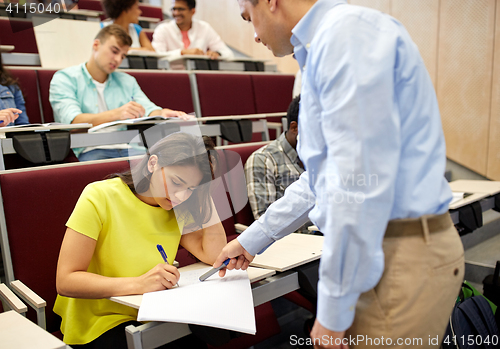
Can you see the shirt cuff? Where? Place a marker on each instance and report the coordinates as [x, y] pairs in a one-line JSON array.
[[254, 240], [152, 109], [336, 314]]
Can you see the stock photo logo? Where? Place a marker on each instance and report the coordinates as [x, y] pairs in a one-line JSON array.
[[20, 12]]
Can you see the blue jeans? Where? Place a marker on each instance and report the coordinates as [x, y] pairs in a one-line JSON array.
[[100, 154]]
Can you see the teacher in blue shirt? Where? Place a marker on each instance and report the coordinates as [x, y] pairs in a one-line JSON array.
[[373, 147]]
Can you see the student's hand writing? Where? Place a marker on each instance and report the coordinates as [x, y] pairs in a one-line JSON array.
[[335, 339], [162, 276], [175, 113], [131, 110], [192, 51], [240, 258], [213, 55], [9, 115]]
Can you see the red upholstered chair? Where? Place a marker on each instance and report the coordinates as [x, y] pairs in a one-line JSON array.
[[44, 78], [147, 10], [94, 5], [151, 11], [28, 83], [225, 94], [36, 205], [273, 94], [18, 32], [166, 89], [243, 151]]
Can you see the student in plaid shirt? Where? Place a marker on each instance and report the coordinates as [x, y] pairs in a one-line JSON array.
[[272, 168]]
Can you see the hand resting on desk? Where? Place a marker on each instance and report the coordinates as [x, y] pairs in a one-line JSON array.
[[240, 258], [8, 116]]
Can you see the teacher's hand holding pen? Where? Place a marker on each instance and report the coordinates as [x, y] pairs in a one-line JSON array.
[[8, 115], [131, 110], [240, 258]]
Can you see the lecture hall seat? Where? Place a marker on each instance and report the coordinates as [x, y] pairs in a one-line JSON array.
[[44, 78], [47, 195], [28, 83], [147, 10], [18, 32], [273, 94], [225, 94], [165, 89]]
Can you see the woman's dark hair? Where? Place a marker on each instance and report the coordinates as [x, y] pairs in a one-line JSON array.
[[179, 149], [114, 8], [5, 78]]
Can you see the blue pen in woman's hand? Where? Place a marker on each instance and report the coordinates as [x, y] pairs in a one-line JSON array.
[[163, 255]]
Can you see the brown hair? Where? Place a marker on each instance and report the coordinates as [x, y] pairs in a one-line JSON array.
[[179, 149], [114, 8], [118, 32]]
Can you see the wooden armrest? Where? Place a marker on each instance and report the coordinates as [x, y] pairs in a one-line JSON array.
[[240, 227], [28, 295], [14, 302]]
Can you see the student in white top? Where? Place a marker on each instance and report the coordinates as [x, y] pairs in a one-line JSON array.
[[126, 14], [187, 36]]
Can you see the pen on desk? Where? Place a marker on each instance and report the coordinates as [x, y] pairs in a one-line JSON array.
[[163, 255], [214, 270]]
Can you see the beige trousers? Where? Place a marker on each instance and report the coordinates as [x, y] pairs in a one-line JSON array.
[[411, 304]]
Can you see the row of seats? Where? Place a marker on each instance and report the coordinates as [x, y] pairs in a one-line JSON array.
[[19, 32], [50, 198], [147, 10], [215, 94]]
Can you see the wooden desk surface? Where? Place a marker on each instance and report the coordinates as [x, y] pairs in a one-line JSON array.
[[290, 252], [18, 332], [468, 200], [472, 186], [254, 274]]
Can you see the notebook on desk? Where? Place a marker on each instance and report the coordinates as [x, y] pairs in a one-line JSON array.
[[130, 122], [42, 127]]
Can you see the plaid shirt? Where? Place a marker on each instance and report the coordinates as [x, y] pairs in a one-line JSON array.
[[269, 171]]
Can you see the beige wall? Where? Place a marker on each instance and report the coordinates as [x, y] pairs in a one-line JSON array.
[[456, 39]]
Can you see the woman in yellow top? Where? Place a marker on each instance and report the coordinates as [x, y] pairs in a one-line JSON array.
[[109, 248]]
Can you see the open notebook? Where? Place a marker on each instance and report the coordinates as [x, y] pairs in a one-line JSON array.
[[129, 122], [216, 302]]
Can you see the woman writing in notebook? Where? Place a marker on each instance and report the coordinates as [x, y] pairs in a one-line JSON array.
[[109, 248]]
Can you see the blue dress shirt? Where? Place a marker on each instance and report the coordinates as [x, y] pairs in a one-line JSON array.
[[12, 97], [372, 143]]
